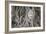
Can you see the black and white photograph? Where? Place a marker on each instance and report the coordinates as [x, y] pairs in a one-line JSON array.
[[25, 17]]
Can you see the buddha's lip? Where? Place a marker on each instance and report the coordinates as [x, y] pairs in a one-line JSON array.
[[30, 15]]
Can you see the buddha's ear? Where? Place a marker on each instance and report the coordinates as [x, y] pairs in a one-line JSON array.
[[33, 9]]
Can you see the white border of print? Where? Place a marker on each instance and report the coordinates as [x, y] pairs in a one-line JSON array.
[[27, 28]]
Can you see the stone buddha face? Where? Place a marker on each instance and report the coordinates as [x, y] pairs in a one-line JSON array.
[[31, 14]]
